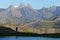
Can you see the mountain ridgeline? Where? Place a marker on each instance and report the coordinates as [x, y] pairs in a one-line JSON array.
[[27, 16]]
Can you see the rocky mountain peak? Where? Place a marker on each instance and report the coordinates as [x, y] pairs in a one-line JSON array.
[[12, 7], [53, 8], [29, 6], [21, 5]]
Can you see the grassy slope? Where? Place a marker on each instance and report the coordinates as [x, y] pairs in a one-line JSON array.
[[25, 33]]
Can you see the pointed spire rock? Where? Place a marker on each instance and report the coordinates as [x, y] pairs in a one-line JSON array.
[[29, 6], [53, 8], [12, 7], [21, 5]]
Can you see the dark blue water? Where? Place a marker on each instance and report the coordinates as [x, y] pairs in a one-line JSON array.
[[27, 38]]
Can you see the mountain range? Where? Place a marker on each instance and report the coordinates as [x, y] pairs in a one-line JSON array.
[[28, 16]]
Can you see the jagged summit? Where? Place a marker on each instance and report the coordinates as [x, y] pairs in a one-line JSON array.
[[29, 6], [13, 6], [22, 14], [52, 8], [21, 5]]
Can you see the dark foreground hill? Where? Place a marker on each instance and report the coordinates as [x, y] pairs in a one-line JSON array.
[[4, 31]]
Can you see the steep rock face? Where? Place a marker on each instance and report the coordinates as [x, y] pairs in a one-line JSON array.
[[21, 5], [22, 15], [13, 13], [57, 11], [46, 13], [52, 9], [50, 13]]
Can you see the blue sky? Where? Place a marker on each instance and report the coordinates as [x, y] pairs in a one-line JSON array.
[[37, 4]]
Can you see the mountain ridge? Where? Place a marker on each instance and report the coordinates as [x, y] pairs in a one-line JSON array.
[[22, 14]]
